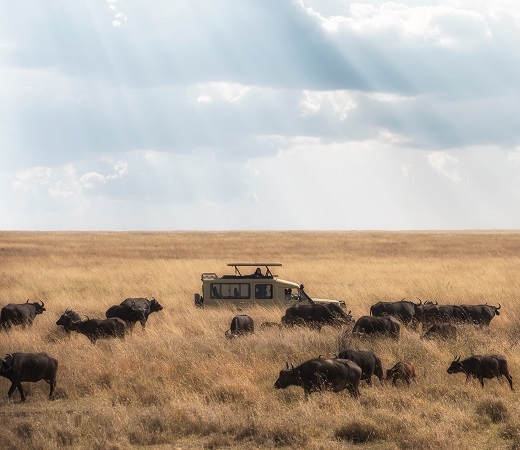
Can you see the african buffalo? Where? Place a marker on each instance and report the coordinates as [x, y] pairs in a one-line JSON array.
[[369, 362], [32, 367], [441, 330], [316, 315], [404, 371], [66, 318], [480, 314], [94, 329], [20, 314], [369, 325], [241, 324], [148, 306], [444, 313], [482, 366], [129, 314], [320, 374], [403, 310]]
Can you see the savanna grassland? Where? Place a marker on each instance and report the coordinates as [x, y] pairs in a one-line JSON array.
[[181, 384]]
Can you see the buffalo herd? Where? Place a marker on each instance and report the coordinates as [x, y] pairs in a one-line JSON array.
[[343, 371], [346, 369], [32, 367]]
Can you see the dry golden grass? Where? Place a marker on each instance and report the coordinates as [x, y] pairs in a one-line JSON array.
[[182, 384]]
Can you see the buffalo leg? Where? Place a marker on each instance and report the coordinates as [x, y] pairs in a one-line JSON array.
[[22, 393], [51, 393], [353, 389], [11, 389], [482, 382], [510, 379]]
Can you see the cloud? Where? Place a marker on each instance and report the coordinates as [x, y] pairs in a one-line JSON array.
[[445, 164], [63, 181]]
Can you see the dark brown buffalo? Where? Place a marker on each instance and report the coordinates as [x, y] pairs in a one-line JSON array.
[[405, 311], [316, 315], [94, 329], [320, 374], [369, 362], [404, 371], [482, 366], [66, 318], [20, 314], [147, 306], [129, 314], [368, 325], [32, 367], [240, 324], [441, 330], [481, 314], [435, 313]]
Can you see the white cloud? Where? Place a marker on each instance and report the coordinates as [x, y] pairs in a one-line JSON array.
[[64, 181], [229, 92], [339, 102], [514, 156], [440, 24], [445, 164]]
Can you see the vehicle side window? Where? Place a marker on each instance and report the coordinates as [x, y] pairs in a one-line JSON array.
[[230, 290], [263, 291]]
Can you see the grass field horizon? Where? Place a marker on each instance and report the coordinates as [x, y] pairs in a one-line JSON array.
[[181, 384]]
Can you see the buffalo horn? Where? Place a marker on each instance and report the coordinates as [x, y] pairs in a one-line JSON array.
[[43, 304], [420, 301], [286, 365], [27, 301], [499, 306]]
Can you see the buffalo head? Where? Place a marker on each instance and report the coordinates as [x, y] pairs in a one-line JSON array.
[[286, 378], [38, 307], [155, 306], [456, 366], [6, 363], [68, 318]]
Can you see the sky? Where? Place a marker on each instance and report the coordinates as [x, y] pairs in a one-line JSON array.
[[259, 115]]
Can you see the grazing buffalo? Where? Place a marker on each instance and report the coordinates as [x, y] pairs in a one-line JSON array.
[[66, 318], [368, 325], [369, 362], [94, 329], [435, 313], [403, 310], [129, 314], [240, 325], [404, 371], [322, 374], [20, 314], [441, 330], [18, 367], [148, 306], [482, 366], [316, 315], [480, 314]]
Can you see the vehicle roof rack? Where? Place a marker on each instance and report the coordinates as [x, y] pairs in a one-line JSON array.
[[245, 264]]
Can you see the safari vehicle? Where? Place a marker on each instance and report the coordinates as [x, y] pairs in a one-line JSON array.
[[256, 288]]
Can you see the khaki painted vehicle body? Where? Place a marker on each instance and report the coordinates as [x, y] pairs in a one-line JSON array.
[[261, 287]]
